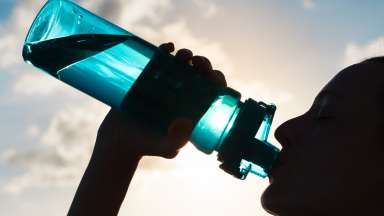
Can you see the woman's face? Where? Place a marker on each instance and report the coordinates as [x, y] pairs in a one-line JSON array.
[[332, 161]]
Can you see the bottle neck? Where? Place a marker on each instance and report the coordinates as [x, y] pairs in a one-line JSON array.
[[215, 125]]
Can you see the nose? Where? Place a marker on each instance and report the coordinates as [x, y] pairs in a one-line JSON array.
[[287, 132]]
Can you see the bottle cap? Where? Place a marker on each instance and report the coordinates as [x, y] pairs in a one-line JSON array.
[[247, 141]]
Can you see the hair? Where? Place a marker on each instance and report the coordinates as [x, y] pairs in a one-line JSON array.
[[378, 59]]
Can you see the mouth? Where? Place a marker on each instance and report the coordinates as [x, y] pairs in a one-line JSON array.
[[272, 173], [281, 161], [270, 179]]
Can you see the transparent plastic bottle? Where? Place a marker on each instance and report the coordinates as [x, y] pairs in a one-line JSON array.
[[128, 73]]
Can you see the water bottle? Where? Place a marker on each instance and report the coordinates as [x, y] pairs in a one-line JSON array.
[[130, 74]]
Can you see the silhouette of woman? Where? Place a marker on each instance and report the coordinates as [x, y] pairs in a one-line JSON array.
[[331, 162]]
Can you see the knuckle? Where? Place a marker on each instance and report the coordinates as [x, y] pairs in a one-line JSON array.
[[220, 77], [199, 59], [170, 155], [184, 51]]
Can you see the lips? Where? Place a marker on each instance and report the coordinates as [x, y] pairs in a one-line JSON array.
[[281, 161], [271, 179], [272, 172]]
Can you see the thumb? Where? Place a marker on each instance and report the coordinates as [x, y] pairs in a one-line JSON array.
[[179, 132]]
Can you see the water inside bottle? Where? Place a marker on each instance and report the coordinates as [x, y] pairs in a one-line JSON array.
[[103, 66]]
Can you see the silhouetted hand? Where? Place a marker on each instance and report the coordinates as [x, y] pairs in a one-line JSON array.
[[120, 144], [126, 136]]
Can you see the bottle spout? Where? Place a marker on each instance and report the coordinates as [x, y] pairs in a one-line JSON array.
[[246, 148], [262, 154]]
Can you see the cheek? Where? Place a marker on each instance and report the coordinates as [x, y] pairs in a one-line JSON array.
[[323, 169], [339, 149], [335, 161]]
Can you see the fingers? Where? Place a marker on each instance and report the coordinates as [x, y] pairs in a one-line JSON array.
[[179, 132], [185, 55], [201, 63], [178, 135], [167, 47], [218, 77]]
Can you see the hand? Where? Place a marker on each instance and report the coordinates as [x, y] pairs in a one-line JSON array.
[[122, 141], [123, 135]]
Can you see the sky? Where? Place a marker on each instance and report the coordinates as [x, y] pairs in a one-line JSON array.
[[279, 52]]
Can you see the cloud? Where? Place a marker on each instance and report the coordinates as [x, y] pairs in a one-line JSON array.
[[72, 131], [42, 168], [207, 8], [13, 32], [9, 54], [64, 149], [308, 4], [38, 83], [355, 53], [260, 92], [183, 37], [135, 11], [129, 12], [33, 131]]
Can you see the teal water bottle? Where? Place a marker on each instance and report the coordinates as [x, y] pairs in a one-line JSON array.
[[128, 73]]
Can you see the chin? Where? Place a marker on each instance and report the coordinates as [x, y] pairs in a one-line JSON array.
[[269, 201], [278, 201]]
